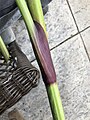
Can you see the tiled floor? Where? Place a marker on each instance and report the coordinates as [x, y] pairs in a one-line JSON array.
[[68, 28], [81, 12]]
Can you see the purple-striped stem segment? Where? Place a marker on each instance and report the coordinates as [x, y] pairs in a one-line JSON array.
[[41, 48], [52, 89], [39, 43]]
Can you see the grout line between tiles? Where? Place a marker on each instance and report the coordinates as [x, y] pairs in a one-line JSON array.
[[70, 37], [72, 15], [78, 29], [85, 47]]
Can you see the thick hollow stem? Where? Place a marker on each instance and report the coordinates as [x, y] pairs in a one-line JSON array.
[[55, 102]]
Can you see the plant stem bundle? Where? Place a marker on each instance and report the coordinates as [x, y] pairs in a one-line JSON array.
[[33, 17]]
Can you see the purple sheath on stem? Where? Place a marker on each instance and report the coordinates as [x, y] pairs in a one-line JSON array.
[[43, 56]]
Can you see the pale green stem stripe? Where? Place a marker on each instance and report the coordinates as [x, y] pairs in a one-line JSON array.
[[28, 20], [36, 12], [4, 50], [55, 102]]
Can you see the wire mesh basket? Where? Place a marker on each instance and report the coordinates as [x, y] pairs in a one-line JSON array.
[[17, 77]]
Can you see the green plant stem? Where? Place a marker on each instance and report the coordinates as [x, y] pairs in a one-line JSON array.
[[36, 12], [52, 90], [55, 102], [4, 50]]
